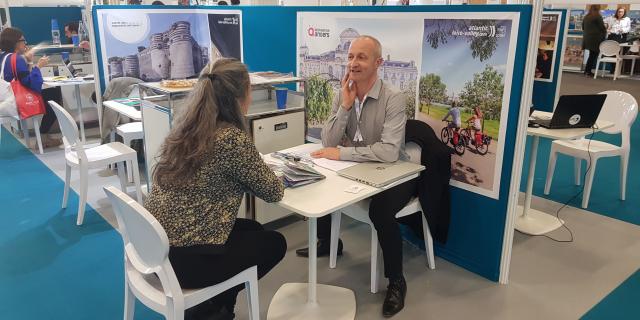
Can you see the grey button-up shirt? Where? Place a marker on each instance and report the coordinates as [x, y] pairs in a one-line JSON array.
[[382, 125]]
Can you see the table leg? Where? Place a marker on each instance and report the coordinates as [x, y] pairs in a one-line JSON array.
[[79, 104], [531, 221], [313, 260]]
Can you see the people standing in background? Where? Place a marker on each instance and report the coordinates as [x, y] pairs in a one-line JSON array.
[[70, 30], [235, 2], [594, 32], [619, 26]]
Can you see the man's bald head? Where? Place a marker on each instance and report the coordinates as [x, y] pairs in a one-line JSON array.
[[371, 41]]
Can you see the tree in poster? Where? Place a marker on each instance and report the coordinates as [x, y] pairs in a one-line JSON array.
[[481, 47], [485, 91], [410, 94], [432, 89], [319, 98]]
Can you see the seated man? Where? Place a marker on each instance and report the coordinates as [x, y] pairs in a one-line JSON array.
[[368, 124]]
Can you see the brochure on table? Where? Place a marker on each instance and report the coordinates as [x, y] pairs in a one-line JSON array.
[[462, 60]]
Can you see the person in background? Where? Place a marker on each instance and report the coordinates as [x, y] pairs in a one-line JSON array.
[[157, 3], [235, 2], [543, 64], [619, 26], [476, 122], [222, 3], [70, 30], [594, 32], [12, 41], [207, 162], [367, 124]]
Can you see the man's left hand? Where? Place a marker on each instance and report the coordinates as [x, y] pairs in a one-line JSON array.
[[327, 153]]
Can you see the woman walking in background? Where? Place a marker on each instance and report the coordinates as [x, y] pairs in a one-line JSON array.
[[594, 32]]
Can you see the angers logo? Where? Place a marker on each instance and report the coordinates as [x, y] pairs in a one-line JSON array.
[[317, 32]]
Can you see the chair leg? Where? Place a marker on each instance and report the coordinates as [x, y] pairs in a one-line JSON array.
[[129, 302], [376, 261], [112, 138], [252, 296], [633, 66], [25, 132], [595, 74], [587, 183], [577, 168], [616, 70], [624, 165], [122, 175], [428, 242], [551, 168], [67, 182], [127, 142], [336, 218], [36, 129], [84, 176], [136, 179]]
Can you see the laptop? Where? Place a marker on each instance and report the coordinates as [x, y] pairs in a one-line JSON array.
[[574, 111], [73, 71], [378, 174]]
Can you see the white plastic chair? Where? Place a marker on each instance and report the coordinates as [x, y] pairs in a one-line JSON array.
[[620, 108], [609, 53], [129, 132], [149, 275], [35, 120], [97, 157], [635, 48], [360, 211]]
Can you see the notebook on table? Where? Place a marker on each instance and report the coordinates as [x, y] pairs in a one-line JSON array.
[[378, 174]]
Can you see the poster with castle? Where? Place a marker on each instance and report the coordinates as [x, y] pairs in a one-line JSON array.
[[160, 44], [323, 42]]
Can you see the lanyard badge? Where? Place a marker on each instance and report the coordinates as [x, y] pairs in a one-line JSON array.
[[358, 136]]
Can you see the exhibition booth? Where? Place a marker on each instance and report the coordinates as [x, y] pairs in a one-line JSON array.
[[503, 59]]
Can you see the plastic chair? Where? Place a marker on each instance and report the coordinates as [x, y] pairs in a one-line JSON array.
[[360, 211], [620, 108], [149, 276], [635, 48], [129, 132], [97, 157], [35, 120], [609, 53]]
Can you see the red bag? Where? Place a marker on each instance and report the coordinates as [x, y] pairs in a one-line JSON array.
[[29, 102]]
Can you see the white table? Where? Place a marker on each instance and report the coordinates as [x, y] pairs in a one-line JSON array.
[[77, 83], [310, 301], [535, 222], [123, 109]]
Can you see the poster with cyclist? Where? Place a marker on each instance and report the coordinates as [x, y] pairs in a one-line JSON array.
[[464, 89]]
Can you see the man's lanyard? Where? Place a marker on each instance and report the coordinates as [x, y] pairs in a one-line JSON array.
[[358, 136]]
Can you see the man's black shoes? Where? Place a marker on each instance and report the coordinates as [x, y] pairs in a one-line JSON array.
[[394, 301], [323, 249]]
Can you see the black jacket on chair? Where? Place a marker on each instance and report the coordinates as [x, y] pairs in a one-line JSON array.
[[433, 183]]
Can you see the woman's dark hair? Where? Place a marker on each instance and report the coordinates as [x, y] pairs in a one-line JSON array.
[[594, 9], [9, 38], [213, 103], [157, 3], [72, 26], [235, 2], [222, 3]]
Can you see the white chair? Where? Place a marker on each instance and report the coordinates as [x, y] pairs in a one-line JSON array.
[[149, 275], [635, 49], [4, 120], [609, 53], [129, 132], [97, 157], [620, 108], [360, 211], [35, 120]]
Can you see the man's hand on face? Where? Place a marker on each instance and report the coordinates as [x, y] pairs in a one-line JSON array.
[[348, 91], [327, 153]]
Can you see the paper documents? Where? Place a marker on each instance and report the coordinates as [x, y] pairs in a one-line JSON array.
[[304, 152]]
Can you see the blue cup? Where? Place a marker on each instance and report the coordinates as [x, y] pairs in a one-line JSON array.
[[65, 57], [281, 97], [76, 40]]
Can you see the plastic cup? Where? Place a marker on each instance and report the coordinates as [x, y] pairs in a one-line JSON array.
[[281, 97], [65, 57], [76, 40]]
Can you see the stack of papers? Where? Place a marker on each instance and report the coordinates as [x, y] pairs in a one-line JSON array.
[[296, 174]]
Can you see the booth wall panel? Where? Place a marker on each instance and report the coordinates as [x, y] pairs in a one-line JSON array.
[[35, 22]]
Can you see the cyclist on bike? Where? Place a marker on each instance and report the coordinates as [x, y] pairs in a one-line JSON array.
[[456, 121], [476, 123]]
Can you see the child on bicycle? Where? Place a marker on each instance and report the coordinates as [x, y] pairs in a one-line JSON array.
[[476, 124]]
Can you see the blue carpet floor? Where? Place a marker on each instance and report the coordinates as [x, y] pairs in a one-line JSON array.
[[605, 192], [49, 267], [622, 303]]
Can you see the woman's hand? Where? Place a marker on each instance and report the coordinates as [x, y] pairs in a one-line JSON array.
[[43, 61]]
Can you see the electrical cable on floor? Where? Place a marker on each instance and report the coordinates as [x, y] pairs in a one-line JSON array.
[[584, 176]]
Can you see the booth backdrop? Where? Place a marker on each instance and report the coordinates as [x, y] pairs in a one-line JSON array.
[[477, 222], [35, 22]]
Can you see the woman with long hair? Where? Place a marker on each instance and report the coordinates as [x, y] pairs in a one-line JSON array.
[[594, 32], [206, 164], [619, 26]]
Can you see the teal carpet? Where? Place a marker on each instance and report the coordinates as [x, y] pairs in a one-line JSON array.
[[605, 191], [620, 304], [49, 267]]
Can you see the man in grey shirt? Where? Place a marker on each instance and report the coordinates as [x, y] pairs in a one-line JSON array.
[[368, 124]]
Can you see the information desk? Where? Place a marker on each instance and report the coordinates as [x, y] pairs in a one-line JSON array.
[[535, 222], [307, 301]]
